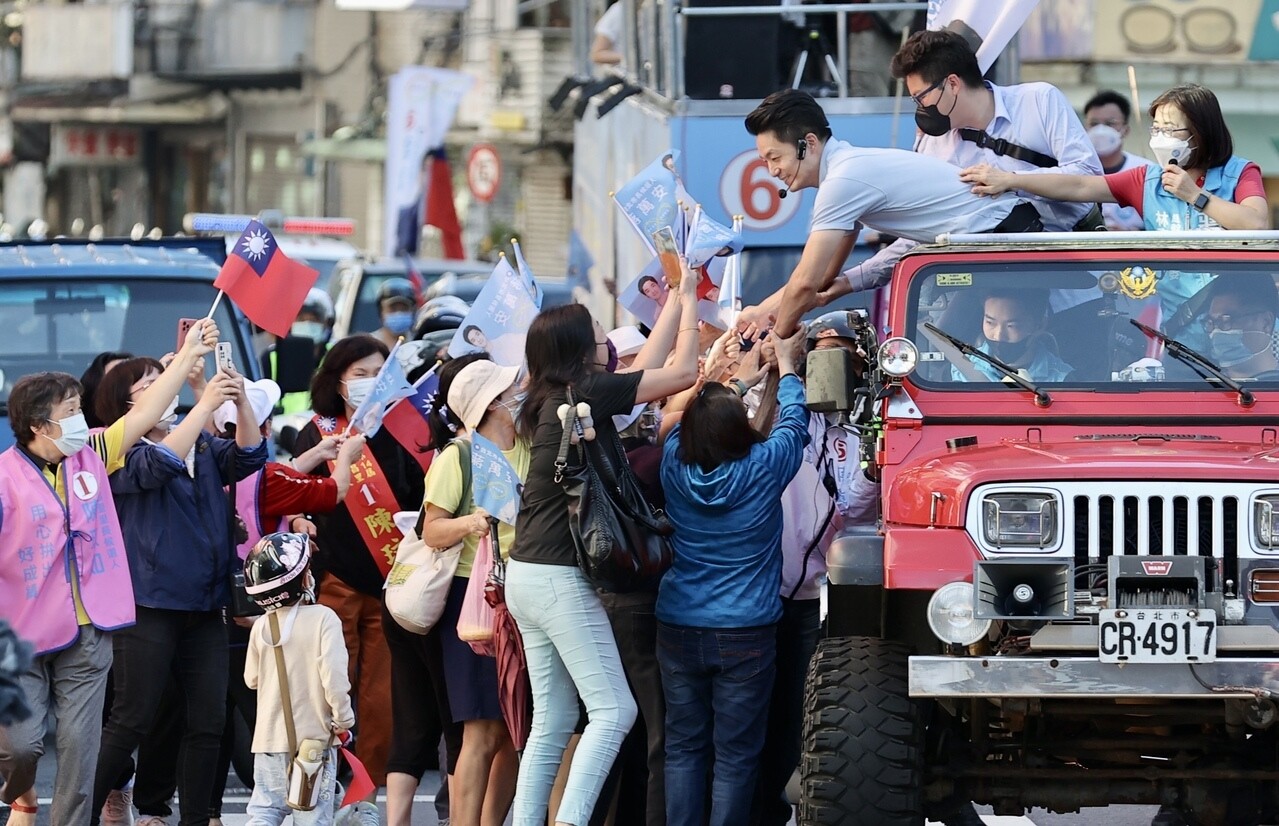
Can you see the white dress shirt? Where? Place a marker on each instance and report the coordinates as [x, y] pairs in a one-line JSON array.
[[1034, 115]]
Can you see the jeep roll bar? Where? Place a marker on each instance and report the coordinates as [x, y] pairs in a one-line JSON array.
[[1153, 239]]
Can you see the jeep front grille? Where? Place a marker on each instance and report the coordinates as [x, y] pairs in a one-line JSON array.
[[1135, 525]]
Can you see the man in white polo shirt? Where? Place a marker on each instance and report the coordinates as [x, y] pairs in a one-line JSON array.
[[889, 190]]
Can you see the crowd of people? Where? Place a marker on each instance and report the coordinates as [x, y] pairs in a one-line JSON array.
[[128, 535]]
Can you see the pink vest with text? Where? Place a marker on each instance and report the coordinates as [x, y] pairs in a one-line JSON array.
[[35, 570]]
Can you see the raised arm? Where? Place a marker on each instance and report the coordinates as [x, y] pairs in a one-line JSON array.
[[660, 341], [987, 180], [824, 255], [681, 372], [153, 402]]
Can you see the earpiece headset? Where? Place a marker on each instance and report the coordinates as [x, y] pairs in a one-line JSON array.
[[801, 149]]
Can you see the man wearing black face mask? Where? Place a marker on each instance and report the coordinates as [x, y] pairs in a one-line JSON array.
[[965, 120], [1012, 329]]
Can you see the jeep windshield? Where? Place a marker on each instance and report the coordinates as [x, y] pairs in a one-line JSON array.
[[1069, 324], [63, 325]]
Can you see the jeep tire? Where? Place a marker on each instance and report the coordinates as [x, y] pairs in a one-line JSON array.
[[863, 759]]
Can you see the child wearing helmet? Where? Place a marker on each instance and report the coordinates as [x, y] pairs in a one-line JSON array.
[[277, 576]]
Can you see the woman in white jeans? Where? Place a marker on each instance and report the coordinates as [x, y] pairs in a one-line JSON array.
[[568, 642]]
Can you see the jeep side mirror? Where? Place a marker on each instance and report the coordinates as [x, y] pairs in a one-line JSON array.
[[294, 364], [830, 381]]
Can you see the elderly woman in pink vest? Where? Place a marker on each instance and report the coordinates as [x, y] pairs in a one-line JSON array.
[[64, 576]]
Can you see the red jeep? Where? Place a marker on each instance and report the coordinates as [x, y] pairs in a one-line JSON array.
[[1072, 597]]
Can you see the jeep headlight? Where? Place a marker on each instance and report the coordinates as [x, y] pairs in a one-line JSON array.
[[952, 615], [898, 357], [1021, 520], [1265, 521]]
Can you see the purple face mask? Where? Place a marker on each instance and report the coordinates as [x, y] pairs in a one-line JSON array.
[[611, 367]]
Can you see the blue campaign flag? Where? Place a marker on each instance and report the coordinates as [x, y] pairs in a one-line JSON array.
[[496, 487], [527, 273], [499, 319], [580, 262], [391, 384], [708, 238], [649, 200]]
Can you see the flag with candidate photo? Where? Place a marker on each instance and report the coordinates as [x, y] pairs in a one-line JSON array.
[[496, 487], [499, 319], [580, 262], [391, 385], [527, 273], [707, 238], [650, 200]]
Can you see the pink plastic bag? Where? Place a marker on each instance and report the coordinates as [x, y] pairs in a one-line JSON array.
[[475, 622]]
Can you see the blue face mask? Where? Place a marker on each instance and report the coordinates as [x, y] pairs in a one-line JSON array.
[[1229, 347], [398, 323]]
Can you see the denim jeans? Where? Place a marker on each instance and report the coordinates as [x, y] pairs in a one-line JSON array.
[[571, 652], [268, 805], [797, 635], [717, 682]]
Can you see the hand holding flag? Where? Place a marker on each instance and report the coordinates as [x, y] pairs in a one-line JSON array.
[[265, 283], [391, 384]]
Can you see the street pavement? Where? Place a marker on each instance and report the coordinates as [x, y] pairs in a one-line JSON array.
[[424, 810]]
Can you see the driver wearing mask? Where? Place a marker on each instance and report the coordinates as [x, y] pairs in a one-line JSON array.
[[1014, 330], [1241, 327], [396, 301]]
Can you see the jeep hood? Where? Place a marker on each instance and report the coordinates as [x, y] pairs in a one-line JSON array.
[[954, 474]]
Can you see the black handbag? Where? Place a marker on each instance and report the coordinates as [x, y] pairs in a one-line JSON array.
[[622, 543]]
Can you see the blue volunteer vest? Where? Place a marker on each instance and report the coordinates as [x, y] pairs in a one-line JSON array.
[[1166, 213]]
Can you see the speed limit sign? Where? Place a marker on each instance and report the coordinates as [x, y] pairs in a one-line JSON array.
[[746, 189], [484, 172]]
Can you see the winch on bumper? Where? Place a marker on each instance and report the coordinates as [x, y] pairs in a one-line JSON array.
[[1164, 629]]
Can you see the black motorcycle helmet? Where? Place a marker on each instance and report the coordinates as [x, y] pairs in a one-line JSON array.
[[443, 313], [275, 571], [396, 288]]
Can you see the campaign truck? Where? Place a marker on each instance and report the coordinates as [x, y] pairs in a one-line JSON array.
[[1071, 595]]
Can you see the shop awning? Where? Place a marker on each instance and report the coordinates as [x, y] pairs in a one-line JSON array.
[[206, 108]]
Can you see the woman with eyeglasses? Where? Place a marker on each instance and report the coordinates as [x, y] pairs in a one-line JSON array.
[[719, 604], [1199, 182]]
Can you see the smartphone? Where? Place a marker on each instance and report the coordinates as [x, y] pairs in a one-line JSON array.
[[225, 361], [668, 255], [184, 327]]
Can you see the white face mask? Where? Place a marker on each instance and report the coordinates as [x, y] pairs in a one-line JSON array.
[[357, 390], [170, 415], [75, 434], [313, 330], [1105, 139], [1168, 149]]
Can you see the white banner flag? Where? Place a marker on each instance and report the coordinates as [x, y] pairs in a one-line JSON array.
[[989, 25], [421, 103]]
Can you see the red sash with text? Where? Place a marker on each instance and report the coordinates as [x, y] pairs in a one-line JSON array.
[[370, 500]]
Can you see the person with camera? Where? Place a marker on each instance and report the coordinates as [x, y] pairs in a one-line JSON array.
[[176, 525]]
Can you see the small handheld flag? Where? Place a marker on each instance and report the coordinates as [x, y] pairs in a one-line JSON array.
[[265, 283], [391, 384], [497, 488], [527, 273]]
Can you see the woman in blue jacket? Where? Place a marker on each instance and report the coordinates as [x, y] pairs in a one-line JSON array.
[[719, 603], [173, 508]]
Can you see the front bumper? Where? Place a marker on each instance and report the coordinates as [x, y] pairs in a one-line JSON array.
[[1086, 677]]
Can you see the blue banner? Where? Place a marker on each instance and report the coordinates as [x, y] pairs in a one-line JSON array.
[[649, 200], [708, 238], [499, 319], [534, 290], [496, 486]]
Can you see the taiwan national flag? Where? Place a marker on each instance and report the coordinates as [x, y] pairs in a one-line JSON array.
[[264, 282], [406, 420]]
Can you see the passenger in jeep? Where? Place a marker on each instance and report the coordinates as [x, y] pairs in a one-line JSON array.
[[1014, 331], [1241, 326]]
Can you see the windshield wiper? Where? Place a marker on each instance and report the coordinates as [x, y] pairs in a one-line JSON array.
[[1041, 396], [1197, 362]]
